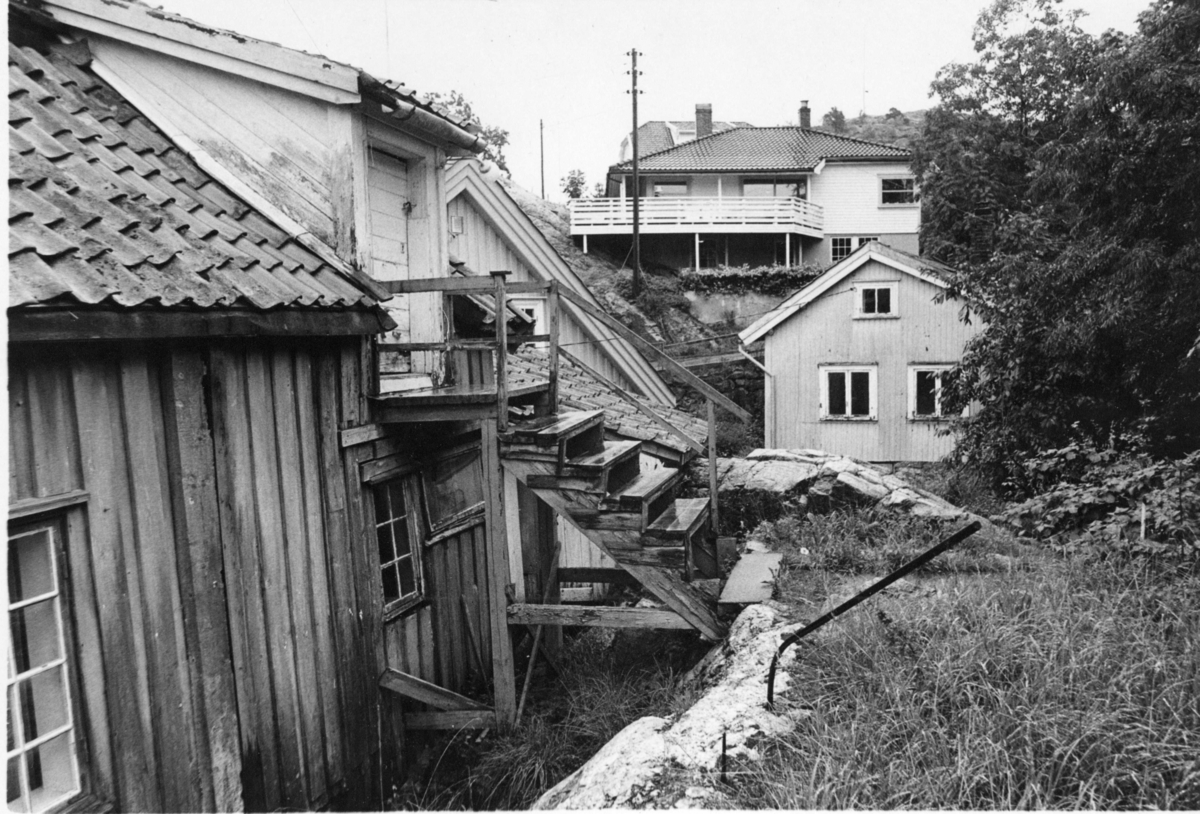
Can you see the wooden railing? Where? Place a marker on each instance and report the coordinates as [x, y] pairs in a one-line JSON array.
[[615, 215], [500, 289]]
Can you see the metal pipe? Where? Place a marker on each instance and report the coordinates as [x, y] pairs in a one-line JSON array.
[[862, 596]]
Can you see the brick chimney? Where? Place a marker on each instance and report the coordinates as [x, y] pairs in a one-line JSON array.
[[805, 114], [703, 120]]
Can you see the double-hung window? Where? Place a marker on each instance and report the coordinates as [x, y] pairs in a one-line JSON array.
[[43, 768], [848, 392], [925, 391]]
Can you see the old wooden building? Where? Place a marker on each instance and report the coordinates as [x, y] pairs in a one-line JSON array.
[[242, 571], [855, 359]]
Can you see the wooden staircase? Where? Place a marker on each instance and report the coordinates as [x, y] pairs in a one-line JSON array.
[[623, 505]]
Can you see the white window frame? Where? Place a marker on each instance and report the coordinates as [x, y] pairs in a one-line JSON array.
[[916, 193], [53, 525], [833, 248], [862, 241], [535, 308], [876, 285], [938, 368], [654, 185], [406, 479], [823, 372]]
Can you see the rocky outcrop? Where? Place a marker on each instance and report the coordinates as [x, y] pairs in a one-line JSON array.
[[622, 773], [768, 482]]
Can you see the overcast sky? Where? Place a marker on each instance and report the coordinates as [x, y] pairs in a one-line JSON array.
[[565, 62]]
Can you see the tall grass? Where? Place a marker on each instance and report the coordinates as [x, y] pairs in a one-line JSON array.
[[606, 685], [1076, 686]]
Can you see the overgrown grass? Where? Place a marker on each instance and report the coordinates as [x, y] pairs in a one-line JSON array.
[[608, 682], [1072, 686]]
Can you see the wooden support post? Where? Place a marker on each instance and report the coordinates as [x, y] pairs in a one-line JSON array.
[[787, 248], [552, 316], [697, 251], [547, 590], [501, 351], [585, 244], [712, 467], [496, 532]]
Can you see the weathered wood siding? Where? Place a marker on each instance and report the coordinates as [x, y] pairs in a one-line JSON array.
[[224, 603], [825, 332]]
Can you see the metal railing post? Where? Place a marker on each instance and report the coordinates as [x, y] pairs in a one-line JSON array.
[[501, 351]]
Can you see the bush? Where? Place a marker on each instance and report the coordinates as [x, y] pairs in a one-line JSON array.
[[776, 281], [1104, 498]]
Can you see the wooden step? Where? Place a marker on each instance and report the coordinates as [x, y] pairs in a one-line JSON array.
[[643, 490], [614, 452], [548, 431], [680, 521]]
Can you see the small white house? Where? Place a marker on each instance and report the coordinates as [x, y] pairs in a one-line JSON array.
[[855, 359]]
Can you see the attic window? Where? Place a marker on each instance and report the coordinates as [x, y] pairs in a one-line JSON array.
[[876, 301], [898, 191]]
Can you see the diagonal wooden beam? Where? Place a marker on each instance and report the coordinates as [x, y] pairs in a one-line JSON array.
[[418, 689]]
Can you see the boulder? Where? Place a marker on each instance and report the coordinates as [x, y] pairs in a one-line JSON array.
[[734, 708]]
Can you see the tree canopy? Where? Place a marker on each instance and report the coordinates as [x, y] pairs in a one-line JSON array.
[[455, 105], [573, 184], [1060, 173]]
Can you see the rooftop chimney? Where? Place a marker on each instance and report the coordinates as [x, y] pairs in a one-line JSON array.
[[805, 114], [703, 120]]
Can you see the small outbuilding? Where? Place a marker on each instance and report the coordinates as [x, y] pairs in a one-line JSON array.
[[855, 360]]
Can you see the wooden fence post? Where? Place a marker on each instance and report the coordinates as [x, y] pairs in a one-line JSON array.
[[501, 351]]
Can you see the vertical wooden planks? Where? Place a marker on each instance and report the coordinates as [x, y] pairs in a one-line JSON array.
[[321, 586], [105, 470], [192, 472], [239, 533], [54, 443], [347, 641], [504, 678], [298, 600], [483, 583], [22, 479], [443, 632], [275, 586]]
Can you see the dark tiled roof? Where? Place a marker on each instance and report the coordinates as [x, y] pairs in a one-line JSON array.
[[103, 209], [764, 149], [656, 136], [579, 390]]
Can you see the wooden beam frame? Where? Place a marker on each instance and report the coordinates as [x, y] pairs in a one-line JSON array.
[[25, 325], [600, 616], [459, 285], [409, 686]]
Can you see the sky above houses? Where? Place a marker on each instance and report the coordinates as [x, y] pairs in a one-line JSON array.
[[564, 62]]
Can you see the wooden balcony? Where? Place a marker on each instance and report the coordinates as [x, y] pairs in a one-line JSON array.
[[675, 215]]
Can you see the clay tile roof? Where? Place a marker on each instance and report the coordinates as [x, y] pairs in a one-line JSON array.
[[751, 149], [578, 390], [104, 209]]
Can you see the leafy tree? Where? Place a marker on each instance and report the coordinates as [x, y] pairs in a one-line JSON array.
[[598, 190], [455, 106], [1059, 173], [573, 184], [834, 120], [894, 114]]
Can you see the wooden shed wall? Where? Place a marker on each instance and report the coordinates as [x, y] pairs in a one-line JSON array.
[[825, 332], [224, 612]]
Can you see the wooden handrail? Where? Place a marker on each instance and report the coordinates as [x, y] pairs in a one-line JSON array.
[[689, 378], [642, 408]]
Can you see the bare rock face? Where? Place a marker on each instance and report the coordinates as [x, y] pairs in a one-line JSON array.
[[734, 707]]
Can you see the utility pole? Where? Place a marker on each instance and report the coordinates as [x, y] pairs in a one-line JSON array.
[[542, 142], [637, 193]]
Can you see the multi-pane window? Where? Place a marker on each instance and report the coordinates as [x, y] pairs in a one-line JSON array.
[[862, 241], [840, 248], [848, 392], [925, 391], [898, 191], [876, 300], [399, 553], [42, 766]]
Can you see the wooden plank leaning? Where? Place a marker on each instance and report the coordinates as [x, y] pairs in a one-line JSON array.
[[547, 589], [657, 355]]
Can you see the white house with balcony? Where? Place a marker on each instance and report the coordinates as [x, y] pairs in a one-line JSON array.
[[756, 196]]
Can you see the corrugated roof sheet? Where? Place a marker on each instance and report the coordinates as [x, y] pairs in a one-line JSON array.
[[579, 390], [763, 149], [104, 209]]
